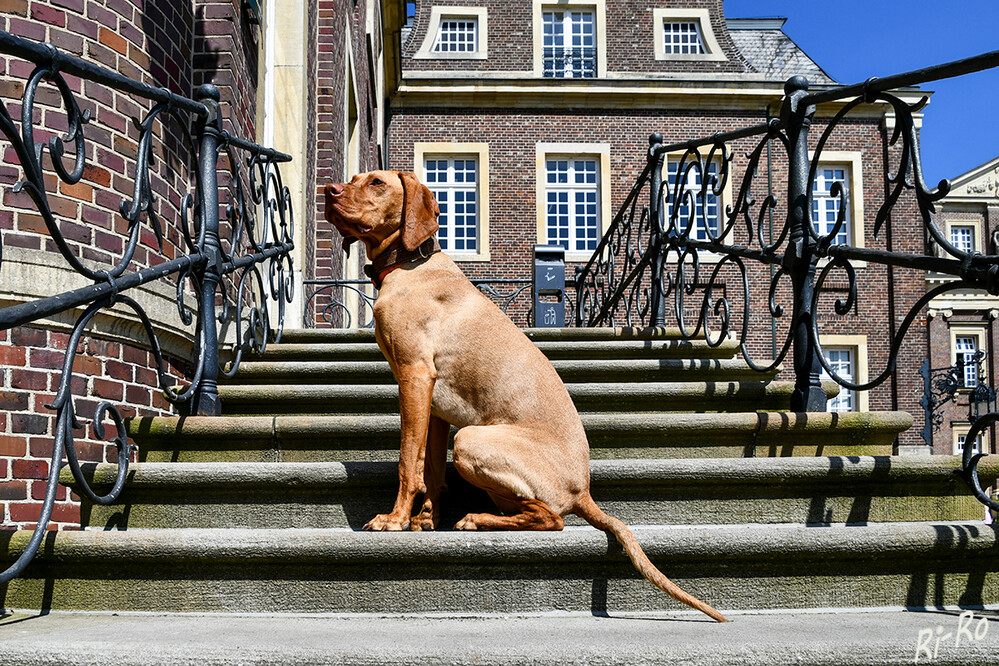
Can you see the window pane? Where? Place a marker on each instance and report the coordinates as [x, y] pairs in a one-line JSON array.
[[963, 238], [457, 36], [965, 348], [826, 207], [454, 183], [842, 361], [683, 37], [568, 44]]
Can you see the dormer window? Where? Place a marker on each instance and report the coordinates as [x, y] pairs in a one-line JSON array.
[[569, 44], [682, 37], [457, 35], [684, 34]]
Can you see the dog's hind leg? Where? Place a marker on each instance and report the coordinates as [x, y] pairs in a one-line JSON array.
[[433, 476], [509, 463]]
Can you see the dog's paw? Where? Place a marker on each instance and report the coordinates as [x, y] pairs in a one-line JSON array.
[[467, 523], [426, 519], [385, 522]]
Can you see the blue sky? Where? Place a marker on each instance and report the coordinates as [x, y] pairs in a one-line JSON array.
[[853, 40]]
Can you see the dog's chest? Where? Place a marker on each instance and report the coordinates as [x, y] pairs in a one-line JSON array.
[[452, 405]]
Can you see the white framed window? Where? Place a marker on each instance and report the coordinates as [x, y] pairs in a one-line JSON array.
[[572, 202], [843, 362], [965, 349], [706, 214], [573, 196], [962, 236], [454, 182], [457, 35], [684, 33], [682, 38], [458, 176], [569, 43], [826, 207]]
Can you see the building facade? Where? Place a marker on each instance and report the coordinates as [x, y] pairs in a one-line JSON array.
[[531, 120], [961, 332]]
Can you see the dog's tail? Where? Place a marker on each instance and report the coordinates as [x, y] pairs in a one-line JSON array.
[[588, 510]]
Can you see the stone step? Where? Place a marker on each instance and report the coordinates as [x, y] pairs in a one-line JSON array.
[[732, 567], [602, 370], [694, 397], [372, 437], [869, 637], [553, 349], [645, 492]]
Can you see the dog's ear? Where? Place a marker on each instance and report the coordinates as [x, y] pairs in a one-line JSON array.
[[419, 216]]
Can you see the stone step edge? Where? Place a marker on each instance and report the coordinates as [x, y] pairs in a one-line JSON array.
[[557, 349], [691, 543], [567, 333], [687, 390], [732, 472], [273, 427], [736, 367]]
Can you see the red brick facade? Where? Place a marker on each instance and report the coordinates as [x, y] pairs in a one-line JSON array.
[[174, 45]]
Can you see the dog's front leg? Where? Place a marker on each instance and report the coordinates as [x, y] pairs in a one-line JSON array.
[[416, 390]]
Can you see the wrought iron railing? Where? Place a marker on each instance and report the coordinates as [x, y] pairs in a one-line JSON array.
[[651, 264], [220, 264], [349, 303], [569, 62]]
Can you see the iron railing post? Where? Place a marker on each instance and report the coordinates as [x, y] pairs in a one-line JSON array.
[[656, 158], [799, 260], [205, 401]]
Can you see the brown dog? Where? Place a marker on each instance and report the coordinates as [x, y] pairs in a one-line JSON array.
[[459, 360]]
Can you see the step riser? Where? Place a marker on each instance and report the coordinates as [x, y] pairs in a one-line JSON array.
[[630, 371], [367, 438], [711, 503], [541, 577]]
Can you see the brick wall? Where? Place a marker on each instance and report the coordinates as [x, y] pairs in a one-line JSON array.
[[176, 45], [336, 20]]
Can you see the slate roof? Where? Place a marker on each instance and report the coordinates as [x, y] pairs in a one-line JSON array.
[[771, 52]]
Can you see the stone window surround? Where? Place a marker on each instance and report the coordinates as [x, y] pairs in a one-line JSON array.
[[962, 428], [859, 345], [976, 225], [976, 330], [600, 151], [480, 151], [437, 14], [663, 15]]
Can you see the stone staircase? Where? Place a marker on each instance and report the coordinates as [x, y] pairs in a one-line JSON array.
[[753, 509]]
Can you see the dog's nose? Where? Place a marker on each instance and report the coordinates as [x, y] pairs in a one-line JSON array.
[[334, 189]]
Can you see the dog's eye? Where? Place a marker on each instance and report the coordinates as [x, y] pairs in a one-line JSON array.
[[377, 181]]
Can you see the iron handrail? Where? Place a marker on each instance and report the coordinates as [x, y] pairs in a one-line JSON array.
[[650, 254], [212, 260]]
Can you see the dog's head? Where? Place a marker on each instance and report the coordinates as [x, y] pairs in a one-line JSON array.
[[380, 207]]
